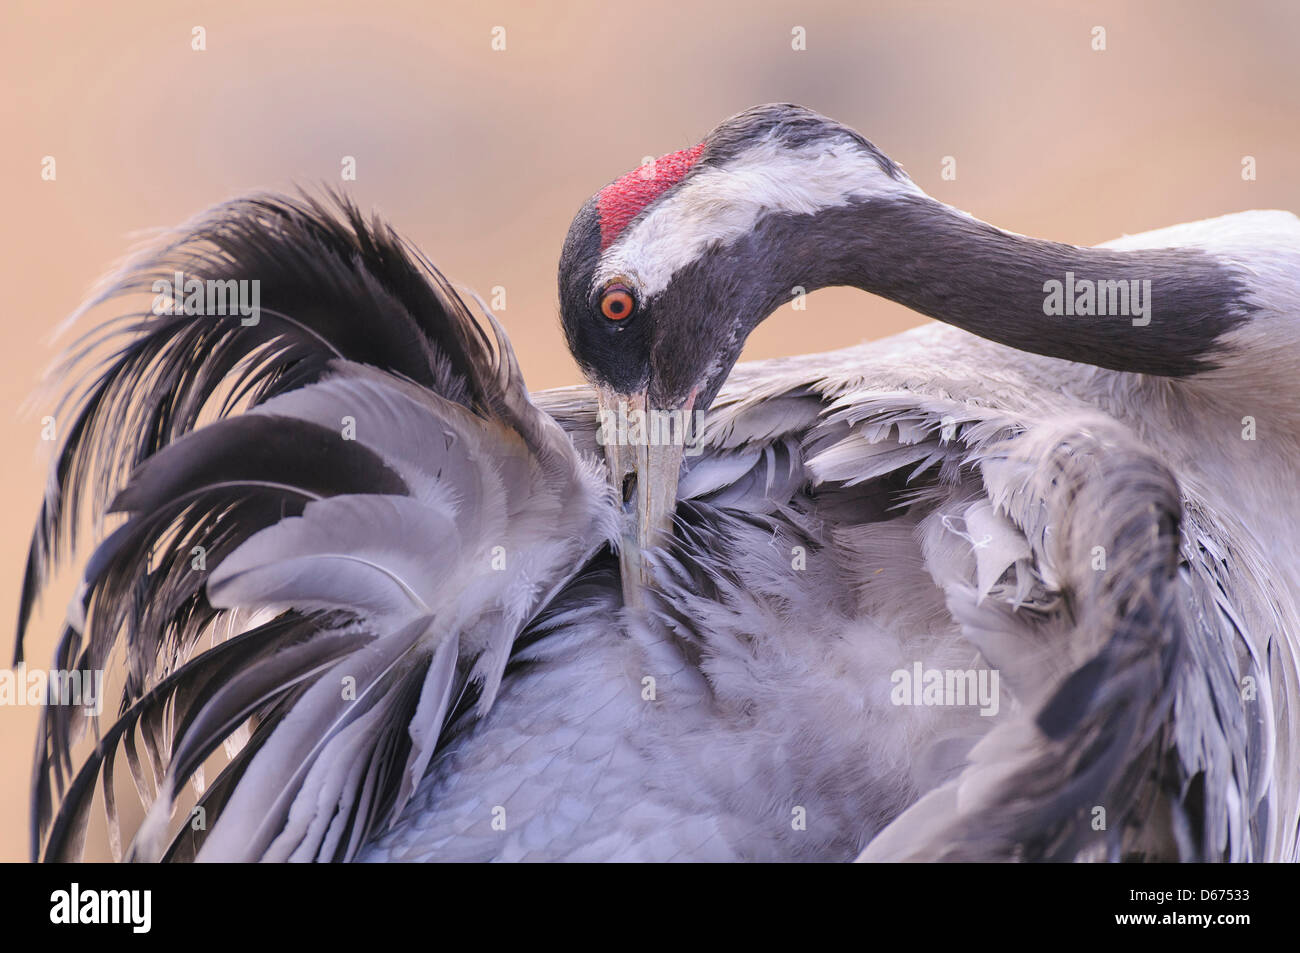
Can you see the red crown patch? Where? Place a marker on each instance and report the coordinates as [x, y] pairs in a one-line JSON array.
[[621, 201]]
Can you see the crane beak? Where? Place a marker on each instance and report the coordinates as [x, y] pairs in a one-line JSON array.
[[644, 469]]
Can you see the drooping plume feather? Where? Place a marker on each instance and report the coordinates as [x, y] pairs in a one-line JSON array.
[[350, 549], [364, 464]]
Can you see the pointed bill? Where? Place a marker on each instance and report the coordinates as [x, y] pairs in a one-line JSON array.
[[644, 472]]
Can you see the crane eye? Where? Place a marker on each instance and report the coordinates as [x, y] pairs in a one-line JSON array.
[[617, 303]]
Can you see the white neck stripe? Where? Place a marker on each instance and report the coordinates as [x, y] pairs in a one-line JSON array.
[[718, 205]]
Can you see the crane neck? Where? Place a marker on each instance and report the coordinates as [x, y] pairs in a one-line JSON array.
[[1153, 311]]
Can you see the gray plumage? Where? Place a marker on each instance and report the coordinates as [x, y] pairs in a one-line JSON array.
[[934, 498]]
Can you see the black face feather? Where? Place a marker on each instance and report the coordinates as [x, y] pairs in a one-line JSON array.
[[615, 353]]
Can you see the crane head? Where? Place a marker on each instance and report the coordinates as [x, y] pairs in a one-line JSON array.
[[667, 270]]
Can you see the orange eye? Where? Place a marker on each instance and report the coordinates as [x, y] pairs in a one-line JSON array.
[[617, 303]]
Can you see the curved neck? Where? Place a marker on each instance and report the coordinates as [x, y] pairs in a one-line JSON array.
[[1156, 311]]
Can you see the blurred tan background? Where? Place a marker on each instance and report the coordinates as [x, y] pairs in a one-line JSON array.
[[482, 157]]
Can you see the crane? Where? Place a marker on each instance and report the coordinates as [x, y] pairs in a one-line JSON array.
[[1012, 585]]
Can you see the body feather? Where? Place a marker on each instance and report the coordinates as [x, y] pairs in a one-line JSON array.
[[410, 629]]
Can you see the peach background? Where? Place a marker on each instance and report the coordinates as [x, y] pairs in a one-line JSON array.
[[482, 157]]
